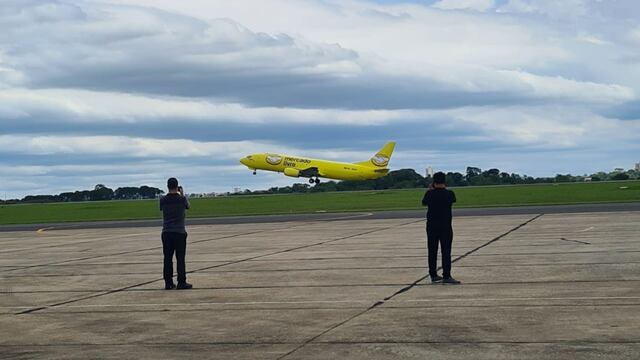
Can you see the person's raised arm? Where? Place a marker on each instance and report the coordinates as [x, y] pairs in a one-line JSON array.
[[186, 201]]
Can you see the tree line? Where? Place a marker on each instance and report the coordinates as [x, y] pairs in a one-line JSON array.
[[399, 179], [99, 193], [409, 178]]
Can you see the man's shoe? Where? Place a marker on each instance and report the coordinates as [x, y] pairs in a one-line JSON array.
[[451, 281], [184, 286], [169, 286], [436, 279]]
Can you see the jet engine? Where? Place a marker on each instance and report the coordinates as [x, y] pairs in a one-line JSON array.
[[292, 172]]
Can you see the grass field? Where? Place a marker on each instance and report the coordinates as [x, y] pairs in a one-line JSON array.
[[622, 191]]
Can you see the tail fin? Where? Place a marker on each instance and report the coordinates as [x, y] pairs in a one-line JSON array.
[[381, 158]]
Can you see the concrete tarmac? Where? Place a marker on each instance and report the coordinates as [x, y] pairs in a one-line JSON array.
[[535, 286]]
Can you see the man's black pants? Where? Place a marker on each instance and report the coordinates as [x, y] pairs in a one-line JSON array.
[[443, 236], [174, 242]]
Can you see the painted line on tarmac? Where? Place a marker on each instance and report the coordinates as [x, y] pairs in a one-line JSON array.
[[587, 229], [348, 217], [320, 343]]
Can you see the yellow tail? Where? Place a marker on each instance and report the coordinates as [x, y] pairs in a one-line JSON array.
[[381, 158]]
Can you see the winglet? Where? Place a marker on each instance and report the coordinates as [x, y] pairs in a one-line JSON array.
[[381, 158]]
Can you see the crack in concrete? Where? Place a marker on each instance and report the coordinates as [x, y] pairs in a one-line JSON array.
[[575, 241]]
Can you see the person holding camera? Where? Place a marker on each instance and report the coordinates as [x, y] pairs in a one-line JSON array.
[[174, 234], [439, 201]]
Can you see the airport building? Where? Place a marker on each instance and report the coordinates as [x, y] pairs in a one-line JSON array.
[[429, 172], [638, 166]]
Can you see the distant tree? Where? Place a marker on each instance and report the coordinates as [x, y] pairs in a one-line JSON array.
[[563, 178], [143, 192], [472, 172], [40, 199], [101, 192], [505, 178], [147, 192], [620, 176], [455, 179]]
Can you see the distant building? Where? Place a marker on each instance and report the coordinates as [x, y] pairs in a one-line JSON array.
[[618, 170], [638, 166], [588, 178], [429, 172]]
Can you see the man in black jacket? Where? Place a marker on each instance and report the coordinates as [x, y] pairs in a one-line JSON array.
[[439, 229], [174, 234]]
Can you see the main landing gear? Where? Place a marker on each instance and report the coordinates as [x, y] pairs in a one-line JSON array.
[[314, 181], [254, 172]]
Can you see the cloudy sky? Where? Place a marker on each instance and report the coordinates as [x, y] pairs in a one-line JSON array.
[[129, 92]]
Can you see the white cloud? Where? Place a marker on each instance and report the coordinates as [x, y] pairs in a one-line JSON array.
[[128, 147], [552, 8], [478, 5], [547, 127], [132, 148], [66, 105]]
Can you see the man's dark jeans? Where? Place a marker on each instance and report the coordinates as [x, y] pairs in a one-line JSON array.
[[174, 242], [443, 236]]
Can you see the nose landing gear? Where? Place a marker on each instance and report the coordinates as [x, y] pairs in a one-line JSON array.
[[254, 172]]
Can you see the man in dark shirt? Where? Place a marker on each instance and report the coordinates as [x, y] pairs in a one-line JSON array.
[[439, 229], [174, 235]]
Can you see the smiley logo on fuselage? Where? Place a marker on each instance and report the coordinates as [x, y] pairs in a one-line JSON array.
[[273, 159], [380, 160]]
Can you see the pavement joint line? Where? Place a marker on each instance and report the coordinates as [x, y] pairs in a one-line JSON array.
[[576, 241], [245, 343], [164, 344], [354, 301], [404, 289], [563, 253], [467, 284], [39, 308], [151, 248], [323, 269], [307, 259], [76, 243], [191, 222], [66, 262], [343, 307], [303, 246]]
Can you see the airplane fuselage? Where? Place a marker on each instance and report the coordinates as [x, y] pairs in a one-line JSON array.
[[296, 166]]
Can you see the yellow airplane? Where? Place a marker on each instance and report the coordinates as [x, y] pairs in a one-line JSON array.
[[313, 169]]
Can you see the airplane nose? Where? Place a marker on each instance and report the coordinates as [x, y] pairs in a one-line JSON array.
[[245, 161]]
